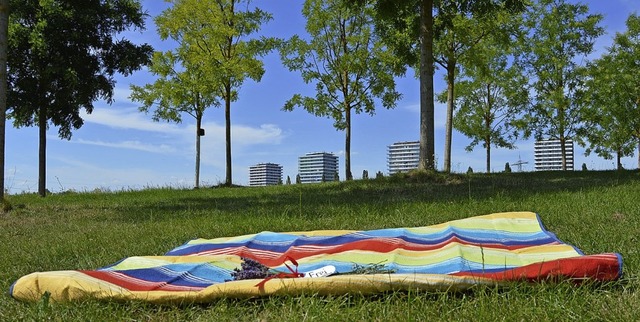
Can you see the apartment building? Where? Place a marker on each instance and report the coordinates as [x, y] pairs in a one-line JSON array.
[[403, 156], [265, 174], [317, 167], [548, 155]]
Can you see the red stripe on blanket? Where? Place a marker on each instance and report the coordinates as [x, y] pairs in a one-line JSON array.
[[134, 284], [380, 245], [602, 267]]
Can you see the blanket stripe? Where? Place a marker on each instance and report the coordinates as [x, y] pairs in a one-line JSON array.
[[457, 254]]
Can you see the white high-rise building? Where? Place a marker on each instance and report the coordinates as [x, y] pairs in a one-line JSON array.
[[403, 156], [317, 167], [548, 155], [265, 174]]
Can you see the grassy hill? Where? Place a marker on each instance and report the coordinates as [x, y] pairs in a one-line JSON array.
[[595, 211]]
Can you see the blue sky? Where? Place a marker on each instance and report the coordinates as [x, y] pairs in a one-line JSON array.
[[120, 148]]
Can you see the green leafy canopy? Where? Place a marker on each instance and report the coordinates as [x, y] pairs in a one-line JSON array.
[[63, 60]]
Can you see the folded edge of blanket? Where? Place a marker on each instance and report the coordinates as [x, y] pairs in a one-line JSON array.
[[64, 286]]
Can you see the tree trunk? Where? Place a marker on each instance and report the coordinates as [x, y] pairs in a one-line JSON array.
[[488, 148], [563, 151], [4, 33], [42, 151], [347, 144], [427, 126], [619, 160], [198, 127], [227, 120], [451, 75], [488, 118]]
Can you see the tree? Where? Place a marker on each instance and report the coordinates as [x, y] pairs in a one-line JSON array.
[[559, 35], [612, 109], [345, 60], [489, 97], [459, 33], [407, 27], [216, 35], [4, 35], [62, 61], [184, 86]]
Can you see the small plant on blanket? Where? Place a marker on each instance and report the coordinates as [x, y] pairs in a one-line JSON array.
[[377, 268]]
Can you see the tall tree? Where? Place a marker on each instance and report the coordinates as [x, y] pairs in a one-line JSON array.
[[217, 34], [408, 29], [560, 36], [349, 65], [62, 61], [489, 97], [183, 87], [612, 110], [4, 35], [458, 33]]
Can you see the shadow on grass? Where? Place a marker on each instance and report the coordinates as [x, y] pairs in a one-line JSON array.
[[316, 199]]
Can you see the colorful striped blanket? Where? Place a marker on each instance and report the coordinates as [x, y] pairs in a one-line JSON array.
[[454, 255]]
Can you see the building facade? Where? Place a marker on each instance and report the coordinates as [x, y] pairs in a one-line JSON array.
[[548, 155], [403, 156], [317, 167], [265, 174]]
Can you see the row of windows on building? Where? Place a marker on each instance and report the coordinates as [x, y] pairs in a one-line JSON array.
[[401, 157]]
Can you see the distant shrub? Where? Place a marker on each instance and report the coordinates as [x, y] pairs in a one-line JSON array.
[[470, 170], [584, 167], [365, 174], [5, 206], [507, 168]]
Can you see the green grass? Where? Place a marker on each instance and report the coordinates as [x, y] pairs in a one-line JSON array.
[[595, 211]]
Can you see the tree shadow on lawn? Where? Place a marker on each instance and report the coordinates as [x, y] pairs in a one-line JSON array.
[[316, 199]]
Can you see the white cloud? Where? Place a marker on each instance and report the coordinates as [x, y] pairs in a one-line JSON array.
[[265, 134], [130, 119], [131, 145]]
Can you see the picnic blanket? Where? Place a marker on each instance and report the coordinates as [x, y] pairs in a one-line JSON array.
[[455, 255]]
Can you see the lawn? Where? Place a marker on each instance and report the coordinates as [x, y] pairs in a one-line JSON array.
[[595, 211]]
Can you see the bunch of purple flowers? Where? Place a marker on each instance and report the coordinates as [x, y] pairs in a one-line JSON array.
[[250, 269]]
